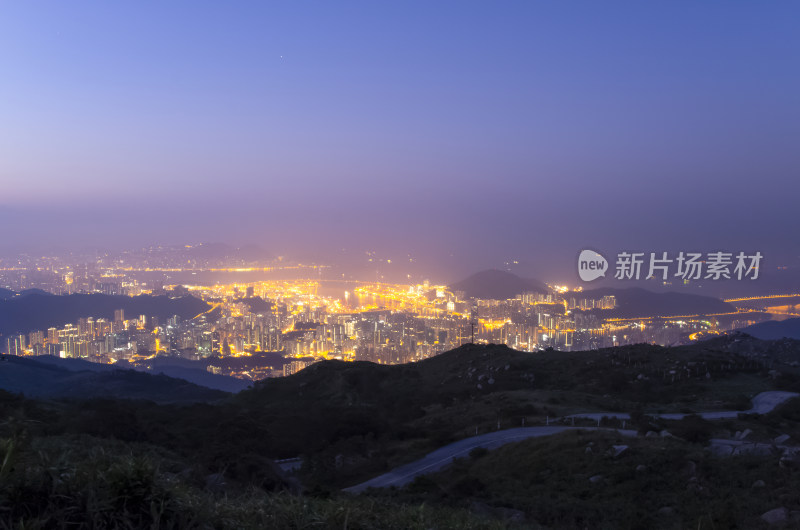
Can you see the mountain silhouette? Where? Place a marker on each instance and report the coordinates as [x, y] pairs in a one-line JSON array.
[[637, 302], [23, 314], [775, 329], [494, 284], [39, 378], [177, 368]]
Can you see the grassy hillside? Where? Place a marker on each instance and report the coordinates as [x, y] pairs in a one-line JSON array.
[[88, 482], [352, 421], [572, 480]]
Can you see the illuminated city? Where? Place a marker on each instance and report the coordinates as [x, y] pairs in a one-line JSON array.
[[312, 318]]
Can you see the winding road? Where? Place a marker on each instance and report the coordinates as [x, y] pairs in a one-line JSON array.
[[436, 460], [762, 403]]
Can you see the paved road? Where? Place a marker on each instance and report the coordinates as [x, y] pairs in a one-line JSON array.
[[762, 403], [444, 455], [436, 460]]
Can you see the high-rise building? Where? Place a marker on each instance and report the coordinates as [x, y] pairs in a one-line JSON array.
[[36, 337]]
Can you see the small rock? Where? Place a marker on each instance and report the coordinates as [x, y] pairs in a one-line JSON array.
[[510, 514], [791, 452], [480, 386], [666, 510], [776, 516], [491, 380], [215, 482], [721, 450], [753, 449], [651, 434], [783, 438], [641, 467], [595, 479], [588, 450], [507, 367], [480, 508], [617, 450], [759, 484], [744, 434]]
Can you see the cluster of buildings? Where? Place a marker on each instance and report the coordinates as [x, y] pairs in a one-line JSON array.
[[98, 340], [270, 328], [382, 323]]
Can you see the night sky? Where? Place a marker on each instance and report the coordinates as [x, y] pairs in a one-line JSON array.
[[473, 132]]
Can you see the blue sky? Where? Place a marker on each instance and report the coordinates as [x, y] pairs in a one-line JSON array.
[[422, 125]]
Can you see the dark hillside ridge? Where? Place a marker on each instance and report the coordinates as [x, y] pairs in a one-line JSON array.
[[24, 314], [637, 302], [192, 371], [37, 378], [495, 284], [773, 329]]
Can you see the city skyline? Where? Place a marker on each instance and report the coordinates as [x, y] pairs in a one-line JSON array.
[[252, 319]]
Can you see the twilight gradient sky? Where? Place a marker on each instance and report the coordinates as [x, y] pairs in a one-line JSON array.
[[486, 130]]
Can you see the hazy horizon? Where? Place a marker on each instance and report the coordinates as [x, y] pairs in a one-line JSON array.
[[467, 134]]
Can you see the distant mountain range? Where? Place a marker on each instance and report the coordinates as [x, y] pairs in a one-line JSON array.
[[224, 251], [191, 371], [8, 294], [775, 329], [51, 379], [638, 302], [494, 284], [36, 311]]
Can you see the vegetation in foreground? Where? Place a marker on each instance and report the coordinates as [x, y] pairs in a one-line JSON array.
[[85, 482], [599, 480], [124, 463]]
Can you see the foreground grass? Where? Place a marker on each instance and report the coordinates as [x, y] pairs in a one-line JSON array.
[[84, 482]]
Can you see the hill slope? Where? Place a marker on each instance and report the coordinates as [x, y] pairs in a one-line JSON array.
[[773, 329], [495, 284], [191, 371], [46, 379]]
